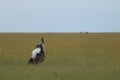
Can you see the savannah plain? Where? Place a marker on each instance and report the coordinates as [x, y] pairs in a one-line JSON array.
[[69, 56]]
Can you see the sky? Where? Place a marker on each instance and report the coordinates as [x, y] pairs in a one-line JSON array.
[[59, 15]]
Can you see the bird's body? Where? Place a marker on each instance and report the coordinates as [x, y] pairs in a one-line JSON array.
[[35, 52]]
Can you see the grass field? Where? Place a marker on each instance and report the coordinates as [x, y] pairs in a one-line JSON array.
[[78, 56]]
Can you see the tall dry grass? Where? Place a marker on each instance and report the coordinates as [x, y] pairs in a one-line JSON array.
[[72, 56]]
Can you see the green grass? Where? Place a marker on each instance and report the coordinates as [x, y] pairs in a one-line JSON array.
[[73, 56]]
